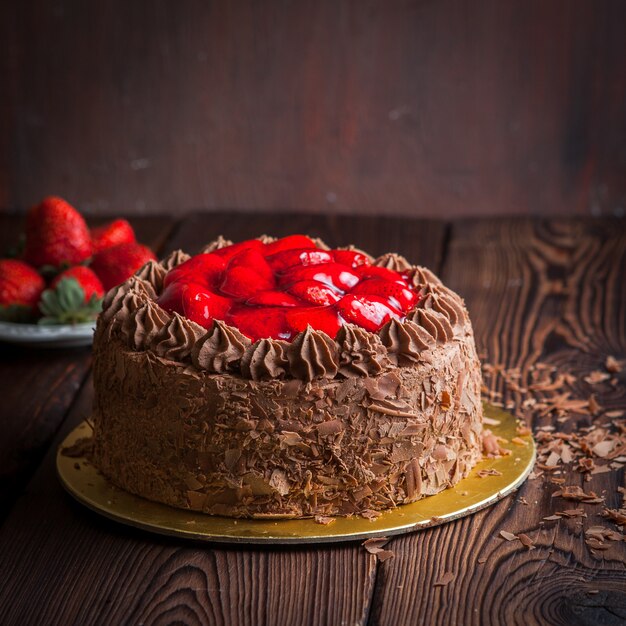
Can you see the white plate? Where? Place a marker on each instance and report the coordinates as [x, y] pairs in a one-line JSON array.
[[61, 336]]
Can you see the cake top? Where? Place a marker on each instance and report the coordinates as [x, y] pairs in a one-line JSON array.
[[268, 309], [276, 289]]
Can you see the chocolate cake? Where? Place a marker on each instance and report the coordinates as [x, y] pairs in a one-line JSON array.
[[331, 383]]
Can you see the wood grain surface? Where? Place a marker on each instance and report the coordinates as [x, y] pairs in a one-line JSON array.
[[37, 386], [538, 292], [552, 292], [445, 108]]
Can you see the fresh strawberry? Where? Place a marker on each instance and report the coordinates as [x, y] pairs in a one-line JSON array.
[[260, 322], [332, 274], [371, 271], [86, 278], [351, 258], [229, 252], [56, 235], [368, 311], [298, 257], [194, 302], [399, 296], [287, 243], [202, 269], [20, 289], [324, 318], [273, 298], [111, 234], [314, 292], [114, 265], [74, 296]]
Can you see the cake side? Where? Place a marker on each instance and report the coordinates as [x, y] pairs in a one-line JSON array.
[[229, 446]]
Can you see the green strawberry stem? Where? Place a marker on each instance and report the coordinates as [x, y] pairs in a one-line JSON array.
[[66, 304]]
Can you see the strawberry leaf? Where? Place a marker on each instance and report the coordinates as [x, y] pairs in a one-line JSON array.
[[66, 304]]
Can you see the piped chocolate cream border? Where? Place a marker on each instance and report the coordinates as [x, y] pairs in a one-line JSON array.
[[131, 314]]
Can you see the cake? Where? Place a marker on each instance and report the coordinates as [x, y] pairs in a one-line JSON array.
[[277, 378]]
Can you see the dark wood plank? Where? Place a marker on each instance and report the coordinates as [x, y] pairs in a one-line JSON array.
[[107, 573], [537, 291], [37, 387], [421, 241], [402, 106]]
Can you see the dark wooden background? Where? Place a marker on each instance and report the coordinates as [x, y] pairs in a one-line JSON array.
[[419, 108]]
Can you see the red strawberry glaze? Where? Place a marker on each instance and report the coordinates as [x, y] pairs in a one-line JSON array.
[[278, 289]]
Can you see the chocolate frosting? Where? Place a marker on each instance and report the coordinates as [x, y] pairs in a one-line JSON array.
[[393, 261], [154, 273], [361, 353], [353, 248], [219, 243], [265, 359], [444, 301], [126, 297], [405, 341], [174, 259], [221, 349], [436, 324], [142, 325], [313, 354], [421, 276], [177, 338]]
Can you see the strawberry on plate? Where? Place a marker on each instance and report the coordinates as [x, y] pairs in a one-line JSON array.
[[112, 234], [86, 278], [74, 296], [20, 289], [56, 235], [114, 265]]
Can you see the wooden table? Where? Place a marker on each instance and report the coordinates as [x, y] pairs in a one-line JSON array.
[[551, 291]]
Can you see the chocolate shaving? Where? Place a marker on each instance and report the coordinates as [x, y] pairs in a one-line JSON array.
[[375, 546], [573, 492], [505, 534], [483, 473], [612, 365]]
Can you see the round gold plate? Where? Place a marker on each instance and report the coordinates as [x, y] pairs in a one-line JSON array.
[[473, 493]]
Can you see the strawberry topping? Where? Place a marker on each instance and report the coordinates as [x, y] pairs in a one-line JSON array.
[[278, 289]]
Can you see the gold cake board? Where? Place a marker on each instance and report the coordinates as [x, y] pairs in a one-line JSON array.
[[471, 494]]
